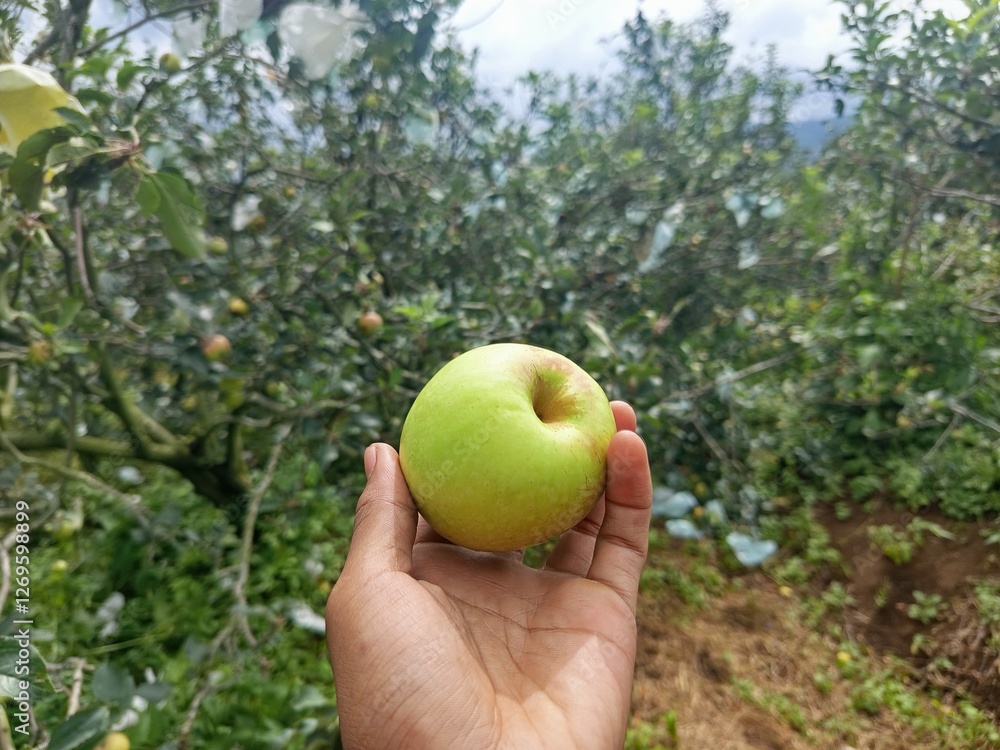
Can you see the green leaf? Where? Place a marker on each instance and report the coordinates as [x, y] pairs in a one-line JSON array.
[[180, 212], [69, 307], [310, 699], [27, 173], [12, 664], [869, 355], [81, 729], [9, 686], [128, 72], [74, 149], [113, 685], [94, 95], [154, 692], [148, 196], [73, 117]]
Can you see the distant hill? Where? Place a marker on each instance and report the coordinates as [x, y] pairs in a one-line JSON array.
[[812, 135]]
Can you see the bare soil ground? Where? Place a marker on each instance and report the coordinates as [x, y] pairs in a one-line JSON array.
[[947, 567], [744, 671]]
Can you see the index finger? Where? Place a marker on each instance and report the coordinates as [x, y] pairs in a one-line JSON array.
[[622, 542]]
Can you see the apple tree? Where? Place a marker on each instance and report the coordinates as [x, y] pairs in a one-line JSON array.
[[899, 392]]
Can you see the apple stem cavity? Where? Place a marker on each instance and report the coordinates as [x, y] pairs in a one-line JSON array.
[[550, 398]]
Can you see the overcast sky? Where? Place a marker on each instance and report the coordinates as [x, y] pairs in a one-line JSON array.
[[564, 36], [515, 36]]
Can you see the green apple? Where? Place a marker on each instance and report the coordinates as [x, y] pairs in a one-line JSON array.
[[115, 741], [369, 322], [238, 306], [218, 245], [506, 447], [216, 347], [170, 62]]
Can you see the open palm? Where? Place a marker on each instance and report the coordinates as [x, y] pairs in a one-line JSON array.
[[437, 646]]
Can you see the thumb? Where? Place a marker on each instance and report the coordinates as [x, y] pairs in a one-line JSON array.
[[385, 522]]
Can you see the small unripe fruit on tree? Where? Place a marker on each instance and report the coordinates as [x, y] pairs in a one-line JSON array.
[[59, 567], [115, 741], [39, 352], [369, 322], [64, 531], [216, 347], [170, 63], [218, 245], [238, 306]]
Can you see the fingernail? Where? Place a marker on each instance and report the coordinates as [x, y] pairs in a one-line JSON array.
[[370, 455]]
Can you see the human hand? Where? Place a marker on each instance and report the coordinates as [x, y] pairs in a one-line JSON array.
[[437, 646]]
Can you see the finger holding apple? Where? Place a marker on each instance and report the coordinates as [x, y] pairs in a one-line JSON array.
[[506, 447]]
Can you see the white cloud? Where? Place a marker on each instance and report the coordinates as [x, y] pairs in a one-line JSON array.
[[516, 36]]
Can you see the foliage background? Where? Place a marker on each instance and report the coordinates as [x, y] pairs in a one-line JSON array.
[[791, 331]]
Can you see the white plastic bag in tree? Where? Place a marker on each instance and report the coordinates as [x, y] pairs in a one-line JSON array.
[[319, 36], [245, 211], [189, 33], [238, 15], [28, 100], [749, 551], [422, 127], [670, 504], [683, 529]]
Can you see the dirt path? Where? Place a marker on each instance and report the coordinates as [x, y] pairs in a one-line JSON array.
[[744, 671]]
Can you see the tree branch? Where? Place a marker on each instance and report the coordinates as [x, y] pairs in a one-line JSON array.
[[234, 452], [942, 192], [974, 416], [906, 237], [77, 688], [5, 544], [738, 375], [50, 39], [213, 481], [129, 501], [39, 441], [183, 738], [712, 443], [253, 509], [9, 392], [82, 259], [920, 97], [140, 425], [142, 22], [993, 200], [955, 422]]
